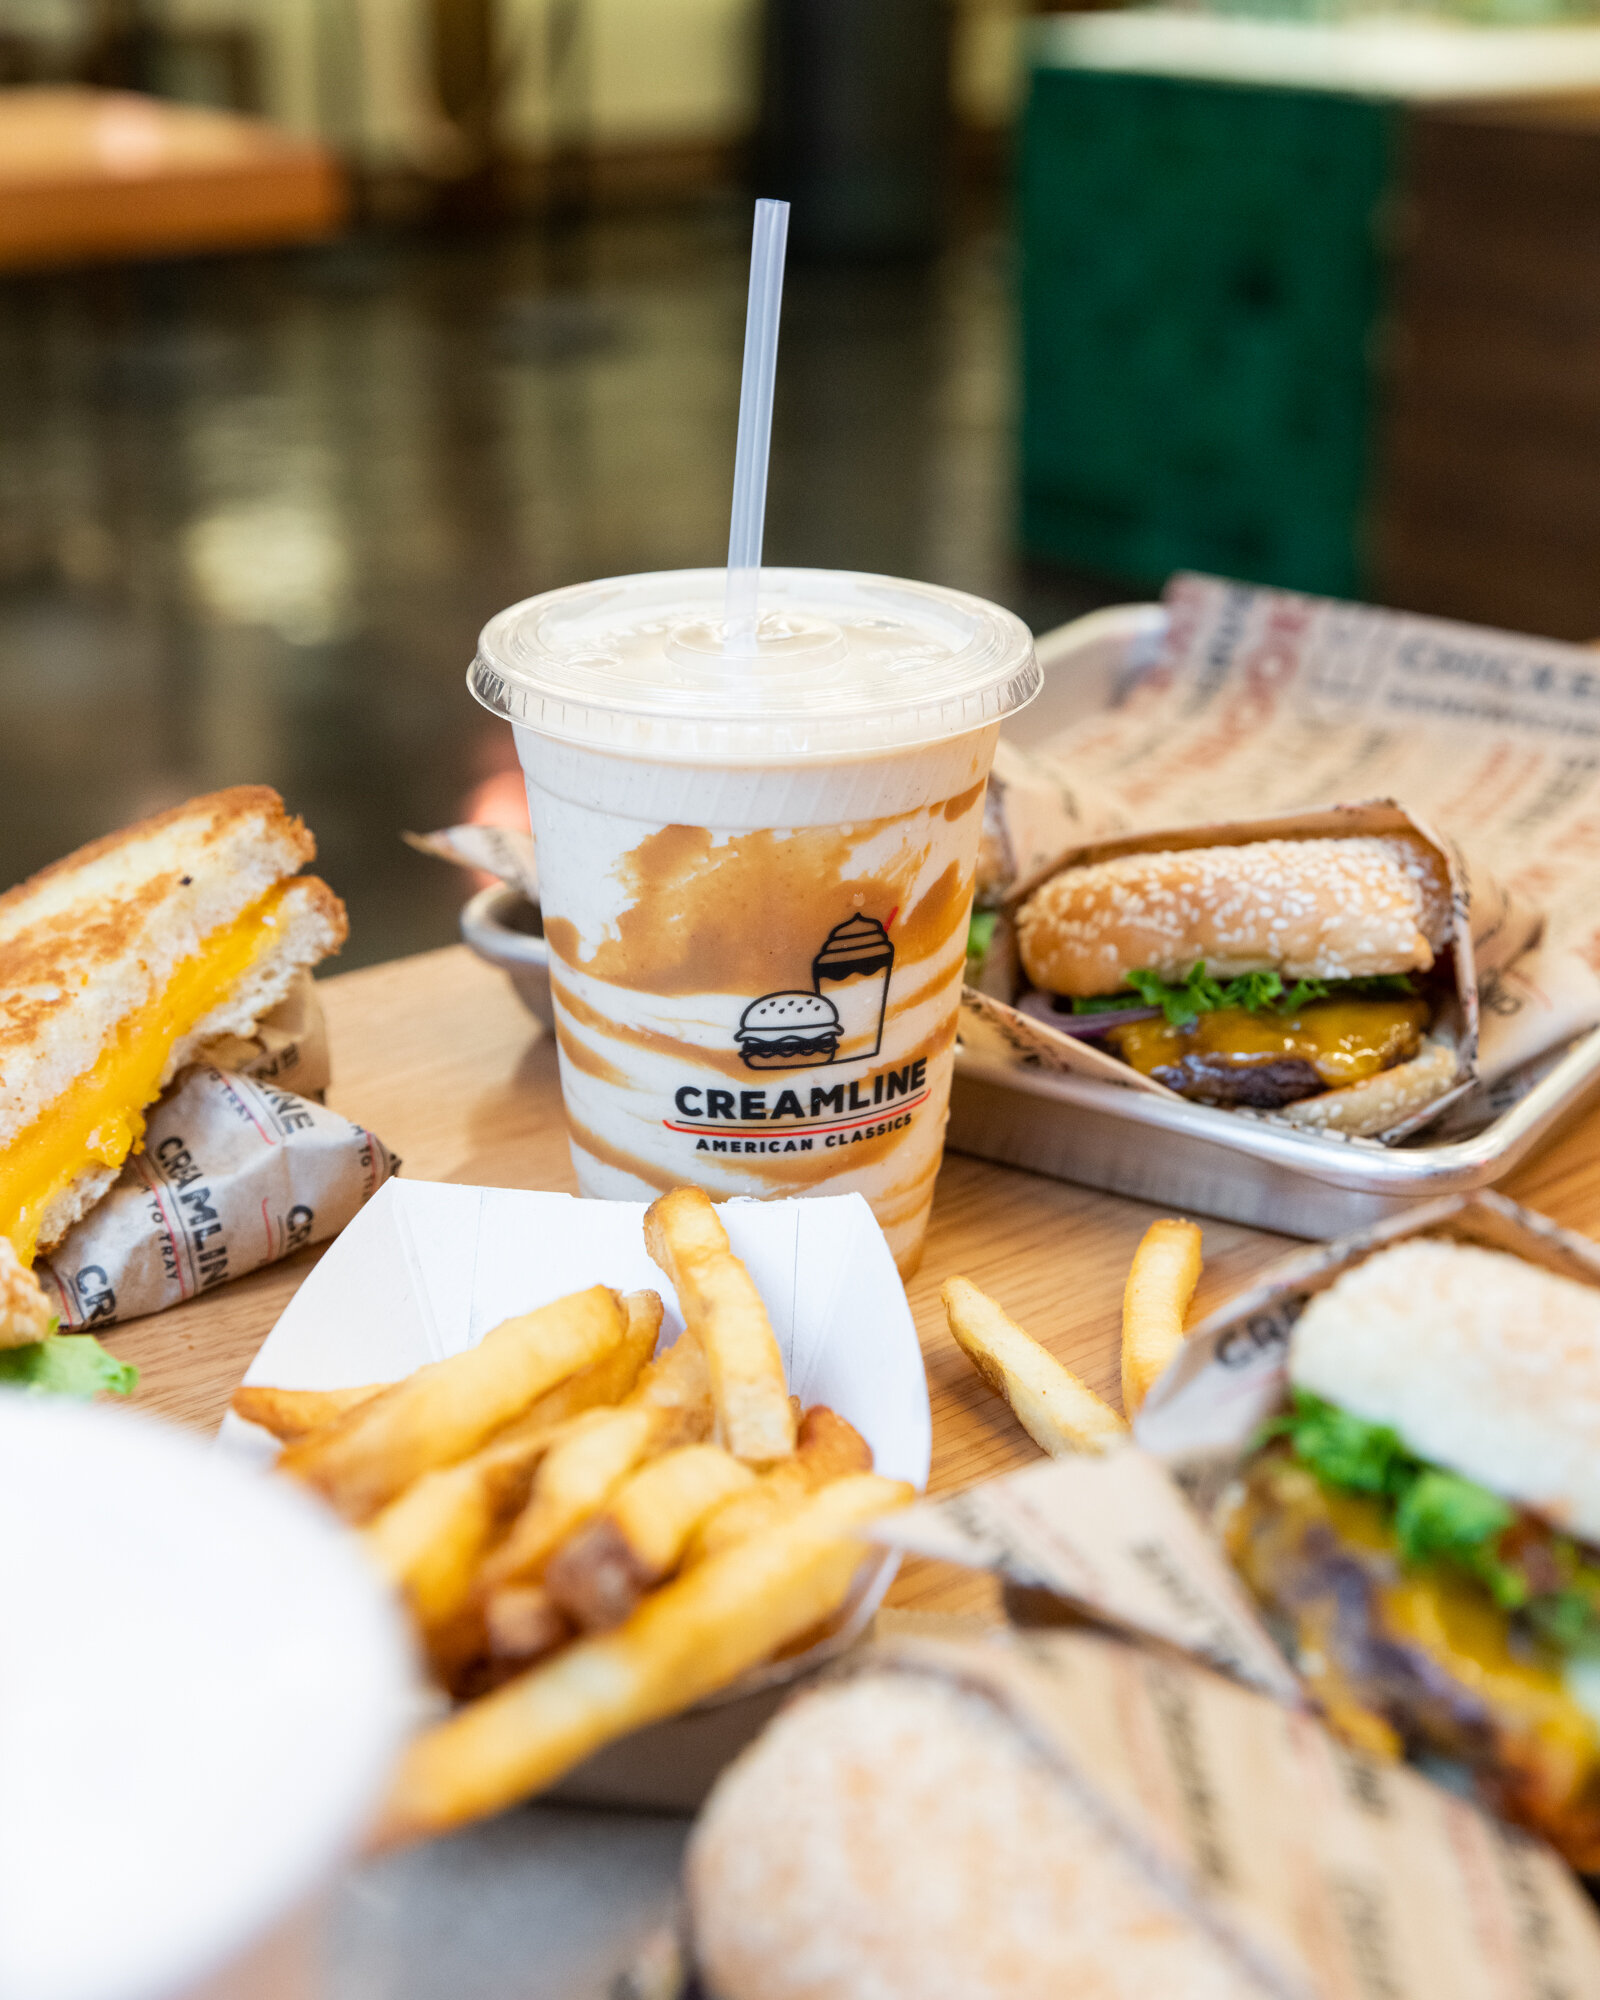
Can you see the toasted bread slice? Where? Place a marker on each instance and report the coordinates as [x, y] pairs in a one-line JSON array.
[[25, 1315], [119, 965]]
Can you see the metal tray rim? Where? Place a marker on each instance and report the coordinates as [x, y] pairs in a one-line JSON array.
[[1353, 1165]]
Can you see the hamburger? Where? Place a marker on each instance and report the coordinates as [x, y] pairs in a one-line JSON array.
[[1423, 1523], [1295, 976], [788, 1031]]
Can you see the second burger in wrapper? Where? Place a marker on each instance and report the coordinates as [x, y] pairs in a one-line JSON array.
[[1394, 1439], [1421, 1523], [1317, 968]]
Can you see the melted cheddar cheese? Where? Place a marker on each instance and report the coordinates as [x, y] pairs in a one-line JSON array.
[[1486, 1694], [1454, 1622], [99, 1119], [1344, 1041]]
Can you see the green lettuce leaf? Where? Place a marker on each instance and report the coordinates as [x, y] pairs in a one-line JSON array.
[[1342, 1449], [1200, 993], [1569, 1620], [66, 1364], [1440, 1517], [980, 935], [1103, 1003], [1442, 1514]]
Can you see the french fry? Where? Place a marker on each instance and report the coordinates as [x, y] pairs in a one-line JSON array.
[[722, 1307], [435, 1537], [599, 1574], [514, 1629], [826, 1448], [291, 1414], [1161, 1282], [430, 1539], [577, 1467], [1060, 1413], [611, 1379], [523, 1622], [677, 1380], [578, 1476], [685, 1641], [443, 1412]]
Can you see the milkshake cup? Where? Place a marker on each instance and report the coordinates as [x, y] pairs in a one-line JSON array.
[[756, 863]]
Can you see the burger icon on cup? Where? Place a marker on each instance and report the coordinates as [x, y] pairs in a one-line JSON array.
[[788, 1031]]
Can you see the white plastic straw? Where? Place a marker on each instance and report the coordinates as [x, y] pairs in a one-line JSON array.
[[755, 423]]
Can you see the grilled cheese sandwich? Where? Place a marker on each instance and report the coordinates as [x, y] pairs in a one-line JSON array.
[[122, 964]]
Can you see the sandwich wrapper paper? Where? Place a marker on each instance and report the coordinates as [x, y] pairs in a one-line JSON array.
[[1029, 817], [1263, 701], [426, 1269], [1326, 1875], [240, 1166], [506, 852], [1360, 1878], [1115, 1535]]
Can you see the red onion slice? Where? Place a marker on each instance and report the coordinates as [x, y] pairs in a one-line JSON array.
[[1041, 1007]]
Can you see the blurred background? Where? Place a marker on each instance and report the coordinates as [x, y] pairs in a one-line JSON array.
[[329, 327]]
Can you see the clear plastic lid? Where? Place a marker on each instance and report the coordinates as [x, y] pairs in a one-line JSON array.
[[843, 665]]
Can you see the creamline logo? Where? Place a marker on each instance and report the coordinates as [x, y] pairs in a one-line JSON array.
[[816, 1107]]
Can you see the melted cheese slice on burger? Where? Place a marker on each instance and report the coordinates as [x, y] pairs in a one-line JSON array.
[[1343, 1039]]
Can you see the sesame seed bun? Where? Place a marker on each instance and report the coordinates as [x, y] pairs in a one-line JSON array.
[[1484, 1363], [1343, 908], [898, 1837], [1380, 1103]]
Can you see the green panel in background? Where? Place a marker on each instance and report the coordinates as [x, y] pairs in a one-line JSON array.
[[1201, 275]]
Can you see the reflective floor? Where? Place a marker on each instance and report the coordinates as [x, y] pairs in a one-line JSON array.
[[253, 512]]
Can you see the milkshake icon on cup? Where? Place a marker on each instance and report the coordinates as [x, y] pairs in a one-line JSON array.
[[852, 971]]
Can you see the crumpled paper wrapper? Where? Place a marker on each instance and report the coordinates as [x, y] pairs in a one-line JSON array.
[[237, 1170], [1115, 1535], [1231, 1372], [289, 1048], [1327, 1874], [505, 852]]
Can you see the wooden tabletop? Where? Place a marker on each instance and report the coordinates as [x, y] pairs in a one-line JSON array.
[[436, 1055]]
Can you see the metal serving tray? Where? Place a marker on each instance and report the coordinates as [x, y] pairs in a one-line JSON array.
[[1190, 1156]]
